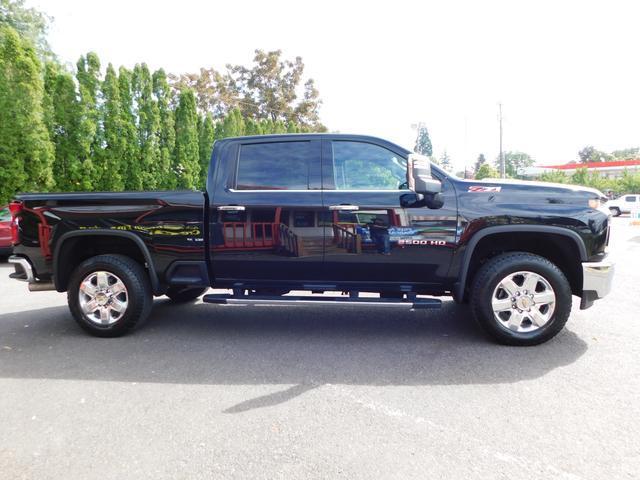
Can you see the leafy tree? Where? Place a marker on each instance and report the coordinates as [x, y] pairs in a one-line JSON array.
[[486, 171], [148, 127], [479, 162], [591, 154], [268, 89], [29, 23], [423, 142], [88, 76], [514, 161], [167, 132], [114, 143], [626, 153], [187, 151], [26, 151], [205, 143], [554, 176], [445, 162], [131, 164]]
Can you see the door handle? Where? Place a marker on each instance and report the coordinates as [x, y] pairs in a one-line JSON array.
[[231, 208], [344, 208]]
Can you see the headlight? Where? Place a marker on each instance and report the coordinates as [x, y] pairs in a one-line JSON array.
[[594, 203]]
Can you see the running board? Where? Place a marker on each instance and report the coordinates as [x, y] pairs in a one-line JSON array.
[[227, 299]]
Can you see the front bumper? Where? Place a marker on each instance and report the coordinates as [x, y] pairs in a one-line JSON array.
[[596, 281]]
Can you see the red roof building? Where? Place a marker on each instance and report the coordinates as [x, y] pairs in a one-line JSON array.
[[613, 169]]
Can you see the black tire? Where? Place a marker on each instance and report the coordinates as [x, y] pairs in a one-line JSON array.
[[139, 296], [185, 294], [493, 272], [615, 211]]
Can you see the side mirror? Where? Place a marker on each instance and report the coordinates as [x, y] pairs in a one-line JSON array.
[[419, 176]]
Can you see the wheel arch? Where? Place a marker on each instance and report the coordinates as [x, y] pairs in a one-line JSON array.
[[85, 244], [540, 238]]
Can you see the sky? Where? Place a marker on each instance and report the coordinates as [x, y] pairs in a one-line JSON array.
[[566, 72]]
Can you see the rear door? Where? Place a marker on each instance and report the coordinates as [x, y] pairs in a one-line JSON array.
[[376, 231], [265, 217]]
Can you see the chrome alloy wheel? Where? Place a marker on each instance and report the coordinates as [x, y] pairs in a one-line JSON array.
[[523, 302], [103, 298]]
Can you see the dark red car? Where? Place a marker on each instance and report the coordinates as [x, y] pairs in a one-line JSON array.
[[5, 232]]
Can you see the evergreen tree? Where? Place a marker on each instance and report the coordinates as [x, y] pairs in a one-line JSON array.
[[251, 127], [130, 161], [233, 124], [26, 151], [148, 127], [279, 127], [114, 146], [445, 162], [205, 143], [479, 162], [167, 132], [423, 142], [187, 150], [88, 76], [65, 127]]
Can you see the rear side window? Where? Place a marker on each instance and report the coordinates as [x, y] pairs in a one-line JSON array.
[[274, 166], [631, 198], [5, 215]]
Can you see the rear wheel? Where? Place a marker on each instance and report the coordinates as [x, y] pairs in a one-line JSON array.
[[185, 294], [109, 295], [521, 299], [615, 211]]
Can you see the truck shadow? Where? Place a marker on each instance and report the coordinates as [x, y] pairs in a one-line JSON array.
[[301, 346]]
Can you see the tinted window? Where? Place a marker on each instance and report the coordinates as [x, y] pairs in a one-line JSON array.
[[364, 166], [274, 166]]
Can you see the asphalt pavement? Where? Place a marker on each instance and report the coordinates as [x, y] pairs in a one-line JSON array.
[[203, 391]]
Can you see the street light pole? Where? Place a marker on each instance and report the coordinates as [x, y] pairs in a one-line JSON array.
[[502, 169]]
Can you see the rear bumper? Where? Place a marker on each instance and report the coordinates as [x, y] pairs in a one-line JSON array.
[[596, 281], [24, 270]]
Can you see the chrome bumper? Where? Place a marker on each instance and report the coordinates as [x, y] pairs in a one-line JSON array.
[[24, 271], [596, 281]]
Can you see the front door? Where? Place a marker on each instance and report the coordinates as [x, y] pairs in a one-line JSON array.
[[266, 216], [378, 232]]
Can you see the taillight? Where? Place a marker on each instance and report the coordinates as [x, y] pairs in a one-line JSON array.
[[15, 208]]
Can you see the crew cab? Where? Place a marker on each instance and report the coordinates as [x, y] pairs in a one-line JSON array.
[[334, 216]]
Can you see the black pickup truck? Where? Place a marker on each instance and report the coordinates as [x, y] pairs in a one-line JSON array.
[[338, 215]]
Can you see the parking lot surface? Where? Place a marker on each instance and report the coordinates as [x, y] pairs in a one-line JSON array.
[[204, 391]]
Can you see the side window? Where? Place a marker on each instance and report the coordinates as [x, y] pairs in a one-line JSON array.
[[631, 198], [365, 166], [5, 215], [274, 166]]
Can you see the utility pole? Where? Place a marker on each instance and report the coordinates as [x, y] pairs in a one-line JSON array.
[[502, 169]]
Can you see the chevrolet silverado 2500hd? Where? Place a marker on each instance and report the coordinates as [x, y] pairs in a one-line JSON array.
[[322, 213]]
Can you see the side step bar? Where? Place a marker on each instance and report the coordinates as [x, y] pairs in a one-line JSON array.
[[227, 299]]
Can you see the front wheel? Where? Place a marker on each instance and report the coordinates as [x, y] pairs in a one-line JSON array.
[[109, 295], [521, 299]]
